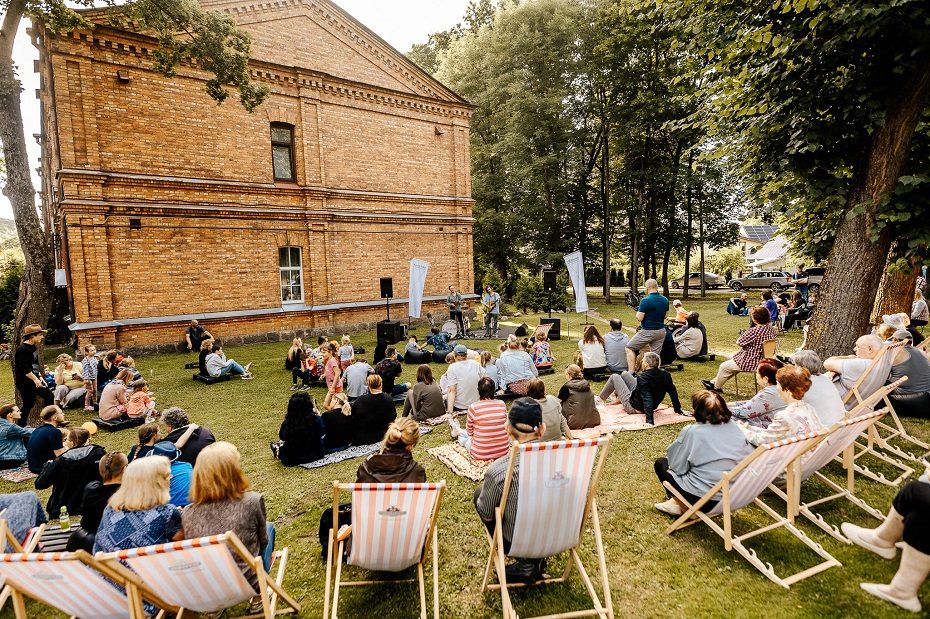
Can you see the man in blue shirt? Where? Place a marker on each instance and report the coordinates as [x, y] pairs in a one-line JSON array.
[[651, 317], [46, 442], [492, 307]]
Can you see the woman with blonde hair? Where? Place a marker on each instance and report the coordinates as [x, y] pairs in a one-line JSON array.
[[221, 501], [394, 463], [69, 381], [292, 360], [337, 424], [138, 514]]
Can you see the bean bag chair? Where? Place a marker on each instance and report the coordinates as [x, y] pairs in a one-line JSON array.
[[209, 380], [418, 357]]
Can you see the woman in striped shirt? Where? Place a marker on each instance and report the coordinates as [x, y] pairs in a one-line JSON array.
[[485, 434]]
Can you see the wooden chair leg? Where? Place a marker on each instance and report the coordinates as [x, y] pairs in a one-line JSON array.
[[329, 574], [19, 605], [338, 561], [422, 587], [435, 574]]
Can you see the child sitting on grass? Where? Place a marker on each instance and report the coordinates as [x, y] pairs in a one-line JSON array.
[[141, 402]]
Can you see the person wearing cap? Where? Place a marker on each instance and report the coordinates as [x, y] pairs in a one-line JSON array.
[[912, 398], [524, 425], [903, 322], [68, 474], [45, 442], [180, 484], [28, 372], [461, 381]]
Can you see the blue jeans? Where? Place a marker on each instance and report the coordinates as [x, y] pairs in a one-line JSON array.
[[232, 368], [268, 550], [399, 389]]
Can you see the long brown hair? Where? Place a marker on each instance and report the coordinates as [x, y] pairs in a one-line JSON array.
[[425, 375], [591, 334]]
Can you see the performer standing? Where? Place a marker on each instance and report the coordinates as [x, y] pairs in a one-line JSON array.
[[454, 299], [29, 372], [492, 309]]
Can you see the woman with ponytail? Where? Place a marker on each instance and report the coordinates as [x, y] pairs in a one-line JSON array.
[[394, 463]]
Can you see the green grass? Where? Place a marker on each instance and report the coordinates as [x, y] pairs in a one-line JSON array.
[[651, 574]]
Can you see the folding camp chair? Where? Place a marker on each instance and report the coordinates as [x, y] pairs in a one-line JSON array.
[[393, 529], [875, 375], [556, 493], [73, 583], [28, 545], [769, 349], [741, 486], [201, 575]]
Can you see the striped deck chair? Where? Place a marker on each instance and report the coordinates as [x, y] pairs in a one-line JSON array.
[[556, 494], [73, 583], [393, 529], [28, 545], [201, 575], [880, 434], [740, 487]]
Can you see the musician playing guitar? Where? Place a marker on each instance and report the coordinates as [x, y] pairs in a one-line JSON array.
[[491, 301], [454, 300]]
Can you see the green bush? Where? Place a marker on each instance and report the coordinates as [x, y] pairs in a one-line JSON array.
[[11, 274], [528, 294]]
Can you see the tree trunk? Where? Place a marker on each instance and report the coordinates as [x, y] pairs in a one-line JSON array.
[[856, 263], [895, 293], [689, 233], [35, 292], [701, 241], [605, 210]]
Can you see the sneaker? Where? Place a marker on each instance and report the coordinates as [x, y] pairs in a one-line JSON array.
[[670, 507], [294, 387], [598, 401], [255, 605], [274, 449], [248, 367], [454, 427], [247, 377]]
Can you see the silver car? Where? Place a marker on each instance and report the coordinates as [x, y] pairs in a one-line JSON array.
[[711, 280], [774, 280]]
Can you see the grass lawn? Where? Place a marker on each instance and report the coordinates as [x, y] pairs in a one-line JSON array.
[[651, 574]]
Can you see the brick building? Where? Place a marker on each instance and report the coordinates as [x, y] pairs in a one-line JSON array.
[[166, 206]]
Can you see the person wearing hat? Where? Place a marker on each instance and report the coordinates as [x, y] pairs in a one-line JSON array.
[[68, 474], [524, 425], [180, 486], [28, 372], [461, 380], [911, 399]]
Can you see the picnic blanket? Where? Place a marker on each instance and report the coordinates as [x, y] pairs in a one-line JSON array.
[[435, 421], [17, 475], [458, 459], [356, 451], [615, 419]]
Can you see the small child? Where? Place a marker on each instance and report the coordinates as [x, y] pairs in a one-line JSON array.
[[346, 353], [141, 402], [89, 374], [541, 352], [412, 346]]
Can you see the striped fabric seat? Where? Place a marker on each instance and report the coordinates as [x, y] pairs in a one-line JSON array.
[[874, 376]]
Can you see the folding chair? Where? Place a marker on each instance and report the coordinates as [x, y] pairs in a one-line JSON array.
[[875, 375], [201, 575], [28, 545], [393, 529], [556, 493], [741, 486], [769, 349], [73, 583]]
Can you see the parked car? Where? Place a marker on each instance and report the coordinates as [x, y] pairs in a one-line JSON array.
[[775, 280], [711, 280]]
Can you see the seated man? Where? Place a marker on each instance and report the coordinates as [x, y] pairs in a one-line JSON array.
[[850, 367], [615, 342], [46, 441], [195, 335], [438, 339], [738, 305], [177, 422], [689, 340], [389, 369], [525, 425], [911, 399], [217, 365], [644, 392], [461, 381], [356, 377]]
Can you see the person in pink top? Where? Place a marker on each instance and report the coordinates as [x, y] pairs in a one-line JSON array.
[[113, 400], [332, 372], [485, 434]]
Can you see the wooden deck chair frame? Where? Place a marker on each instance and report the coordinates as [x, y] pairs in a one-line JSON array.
[[769, 349], [337, 547], [269, 589], [129, 581], [32, 540], [497, 556], [801, 470], [693, 514], [924, 346], [881, 433]]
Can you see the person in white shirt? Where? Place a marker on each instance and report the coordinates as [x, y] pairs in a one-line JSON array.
[[218, 365], [689, 339], [822, 395], [798, 417], [593, 357], [850, 367], [462, 381], [515, 368]]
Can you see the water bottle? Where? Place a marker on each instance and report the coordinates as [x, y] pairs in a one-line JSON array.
[[64, 521]]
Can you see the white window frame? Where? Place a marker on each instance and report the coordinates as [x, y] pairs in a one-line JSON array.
[[299, 270]]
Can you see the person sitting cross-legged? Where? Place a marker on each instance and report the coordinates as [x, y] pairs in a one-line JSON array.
[[578, 406], [644, 392], [759, 410], [424, 401], [702, 453], [738, 305], [372, 413], [556, 424], [615, 342], [689, 339], [484, 435], [12, 438], [524, 425], [515, 367], [750, 343], [301, 432], [798, 417], [217, 364], [68, 474], [389, 369]]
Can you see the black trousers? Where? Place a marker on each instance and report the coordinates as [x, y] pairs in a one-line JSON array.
[[662, 472], [456, 315], [911, 404], [304, 374], [592, 373], [29, 392], [913, 502]]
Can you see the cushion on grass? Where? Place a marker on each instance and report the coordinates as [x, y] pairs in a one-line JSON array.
[[209, 380], [119, 424]]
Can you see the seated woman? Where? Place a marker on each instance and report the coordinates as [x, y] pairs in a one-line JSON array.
[[822, 394], [920, 313], [515, 368], [114, 398], [221, 501], [593, 357], [96, 495], [206, 347], [372, 413], [139, 514], [337, 424], [68, 474], [69, 382], [107, 369], [759, 410], [444, 379], [148, 436], [22, 511], [394, 463], [218, 365], [489, 365], [578, 400], [292, 359], [644, 392], [798, 417], [907, 526], [485, 434], [424, 401], [689, 340], [301, 433], [541, 351], [12, 438], [701, 454], [302, 370], [750, 343]]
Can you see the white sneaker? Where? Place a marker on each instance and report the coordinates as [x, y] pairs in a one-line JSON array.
[[860, 536], [670, 507], [454, 427], [248, 367], [247, 377]]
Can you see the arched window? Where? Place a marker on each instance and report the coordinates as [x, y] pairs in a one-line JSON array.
[[282, 151]]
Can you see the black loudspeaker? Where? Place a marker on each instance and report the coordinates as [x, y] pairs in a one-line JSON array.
[[391, 331], [554, 329], [387, 288], [548, 280], [522, 331]]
